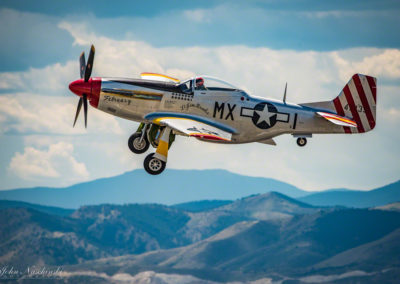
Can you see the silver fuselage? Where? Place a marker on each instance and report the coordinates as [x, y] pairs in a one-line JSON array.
[[254, 119]]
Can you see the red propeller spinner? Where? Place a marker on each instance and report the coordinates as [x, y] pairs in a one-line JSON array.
[[91, 88]]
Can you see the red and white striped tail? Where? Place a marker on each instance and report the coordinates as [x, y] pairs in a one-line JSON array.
[[358, 100]]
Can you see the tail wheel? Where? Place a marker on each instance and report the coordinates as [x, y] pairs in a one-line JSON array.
[[137, 146], [153, 165], [301, 141]]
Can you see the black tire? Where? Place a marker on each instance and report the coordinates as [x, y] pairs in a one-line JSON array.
[[153, 165], [301, 141], [135, 147]]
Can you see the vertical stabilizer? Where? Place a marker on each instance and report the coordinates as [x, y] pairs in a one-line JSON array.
[[358, 101]]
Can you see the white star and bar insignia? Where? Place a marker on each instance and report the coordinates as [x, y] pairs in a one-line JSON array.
[[264, 115]]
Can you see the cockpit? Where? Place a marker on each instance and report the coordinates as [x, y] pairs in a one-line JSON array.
[[207, 83]]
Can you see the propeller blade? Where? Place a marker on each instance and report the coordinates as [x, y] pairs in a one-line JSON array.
[[78, 109], [85, 108], [89, 65], [82, 63]]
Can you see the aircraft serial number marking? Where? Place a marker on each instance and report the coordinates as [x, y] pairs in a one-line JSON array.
[[359, 108]]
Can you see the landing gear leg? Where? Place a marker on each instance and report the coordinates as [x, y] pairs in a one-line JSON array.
[[138, 142], [155, 163], [301, 141]]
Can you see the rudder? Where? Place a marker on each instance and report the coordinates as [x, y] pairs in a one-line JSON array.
[[358, 100]]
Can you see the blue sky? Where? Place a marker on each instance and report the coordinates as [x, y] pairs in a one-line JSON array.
[[259, 45]]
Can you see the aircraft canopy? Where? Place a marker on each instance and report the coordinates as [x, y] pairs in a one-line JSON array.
[[207, 83]]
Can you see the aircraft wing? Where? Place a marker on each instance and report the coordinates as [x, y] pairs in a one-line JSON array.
[[337, 119], [158, 77], [193, 126]]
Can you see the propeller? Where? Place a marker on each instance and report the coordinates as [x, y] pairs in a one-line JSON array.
[[82, 63], [85, 72], [89, 65]]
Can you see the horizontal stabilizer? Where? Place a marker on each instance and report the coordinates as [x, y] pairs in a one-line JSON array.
[[158, 77], [337, 119]]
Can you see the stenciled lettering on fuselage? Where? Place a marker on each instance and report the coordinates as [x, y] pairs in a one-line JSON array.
[[220, 109], [198, 106], [115, 99], [170, 103], [133, 94], [264, 115]]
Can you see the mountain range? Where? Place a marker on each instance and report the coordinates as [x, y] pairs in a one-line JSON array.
[[172, 187], [196, 227], [41, 208], [353, 198], [108, 230], [189, 187], [263, 237], [319, 243]]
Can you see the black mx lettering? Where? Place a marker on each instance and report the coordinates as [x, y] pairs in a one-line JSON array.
[[219, 108], [230, 111]]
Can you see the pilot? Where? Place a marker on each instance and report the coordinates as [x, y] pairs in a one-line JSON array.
[[200, 84]]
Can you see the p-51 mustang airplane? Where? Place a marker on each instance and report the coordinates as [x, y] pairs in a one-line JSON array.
[[214, 111]]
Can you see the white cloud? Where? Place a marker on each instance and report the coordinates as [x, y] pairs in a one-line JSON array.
[[79, 31], [344, 13], [103, 155], [198, 15], [384, 63], [51, 80], [333, 14], [56, 162], [262, 71], [31, 113], [394, 114]]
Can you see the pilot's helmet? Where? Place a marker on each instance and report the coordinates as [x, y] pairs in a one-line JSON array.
[[199, 82]]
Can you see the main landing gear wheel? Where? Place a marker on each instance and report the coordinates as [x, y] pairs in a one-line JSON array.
[[135, 145], [301, 141], [153, 165]]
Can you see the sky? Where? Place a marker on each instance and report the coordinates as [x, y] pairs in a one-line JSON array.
[[315, 46]]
